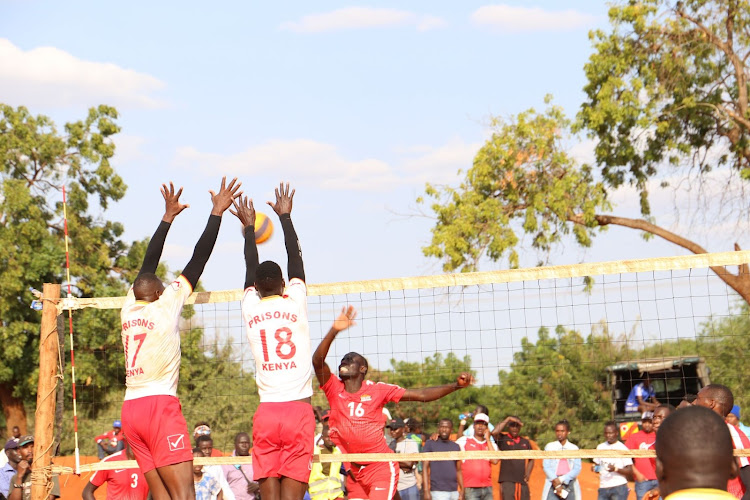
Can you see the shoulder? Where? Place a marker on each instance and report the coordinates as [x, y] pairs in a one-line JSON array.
[[551, 446], [570, 446]]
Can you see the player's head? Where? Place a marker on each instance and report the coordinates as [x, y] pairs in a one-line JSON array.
[[514, 428], [660, 413], [268, 279], [611, 433], [353, 365], [242, 444], [716, 397], [694, 463], [205, 444], [147, 287], [562, 430]]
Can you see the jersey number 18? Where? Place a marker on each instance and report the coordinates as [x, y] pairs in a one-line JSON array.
[[283, 338]]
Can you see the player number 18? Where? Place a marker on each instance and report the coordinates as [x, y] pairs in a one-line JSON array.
[[284, 338]]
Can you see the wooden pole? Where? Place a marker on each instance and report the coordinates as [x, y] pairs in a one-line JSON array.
[[44, 418]]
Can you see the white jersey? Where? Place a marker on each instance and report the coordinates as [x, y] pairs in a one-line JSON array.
[[151, 338], [279, 336]]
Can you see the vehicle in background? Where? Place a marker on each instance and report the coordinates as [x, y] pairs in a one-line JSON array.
[[672, 378]]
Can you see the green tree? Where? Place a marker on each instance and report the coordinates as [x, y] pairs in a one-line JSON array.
[[37, 160]]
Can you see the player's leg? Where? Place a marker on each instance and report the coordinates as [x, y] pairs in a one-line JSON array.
[[135, 429], [177, 480], [156, 487], [297, 431], [380, 480], [291, 489], [266, 450]]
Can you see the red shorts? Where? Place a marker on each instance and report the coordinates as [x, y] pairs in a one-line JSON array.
[[354, 490], [157, 431], [283, 436], [378, 480]]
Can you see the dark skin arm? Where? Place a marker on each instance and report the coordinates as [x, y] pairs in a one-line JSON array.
[[529, 468], [172, 208], [23, 468], [460, 479], [344, 320], [245, 212], [426, 394], [500, 426], [283, 208], [88, 491], [426, 481]]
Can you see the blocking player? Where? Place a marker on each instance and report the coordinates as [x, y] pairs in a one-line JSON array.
[[279, 336], [122, 484], [151, 337], [356, 418]]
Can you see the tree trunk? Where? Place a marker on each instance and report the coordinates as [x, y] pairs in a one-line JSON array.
[[13, 409], [739, 282]]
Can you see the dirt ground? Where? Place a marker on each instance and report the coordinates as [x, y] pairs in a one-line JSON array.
[[72, 485]]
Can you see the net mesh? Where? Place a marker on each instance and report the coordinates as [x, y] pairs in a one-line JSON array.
[[544, 344]]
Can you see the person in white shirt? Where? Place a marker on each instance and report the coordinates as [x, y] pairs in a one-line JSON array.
[[613, 472]]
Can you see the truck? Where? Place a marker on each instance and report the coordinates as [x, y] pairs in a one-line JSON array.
[[673, 378]]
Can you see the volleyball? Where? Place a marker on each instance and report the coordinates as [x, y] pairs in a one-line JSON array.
[[263, 228]]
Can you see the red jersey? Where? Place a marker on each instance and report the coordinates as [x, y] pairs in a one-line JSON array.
[[356, 422], [642, 441], [111, 437], [477, 473], [122, 484]]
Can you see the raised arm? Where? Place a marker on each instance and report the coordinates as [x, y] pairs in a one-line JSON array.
[[283, 208], [172, 207], [245, 212], [501, 425], [221, 201], [341, 323], [437, 392]]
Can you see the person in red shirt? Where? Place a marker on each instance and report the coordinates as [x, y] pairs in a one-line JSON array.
[[478, 473], [356, 418], [110, 442], [122, 484], [643, 470]]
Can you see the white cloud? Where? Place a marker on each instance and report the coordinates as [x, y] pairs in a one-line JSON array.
[[50, 77], [323, 165], [351, 18], [510, 19], [128, 149]]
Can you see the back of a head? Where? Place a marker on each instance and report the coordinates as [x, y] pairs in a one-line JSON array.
[[145, 285], [268, 278], [702, 461]]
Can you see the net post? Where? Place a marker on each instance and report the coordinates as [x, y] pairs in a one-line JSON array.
[[44, 417]]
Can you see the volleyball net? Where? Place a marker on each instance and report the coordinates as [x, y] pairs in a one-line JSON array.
[[545, 344]]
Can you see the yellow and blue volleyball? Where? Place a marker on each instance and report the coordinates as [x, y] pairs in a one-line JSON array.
[[263, 228]]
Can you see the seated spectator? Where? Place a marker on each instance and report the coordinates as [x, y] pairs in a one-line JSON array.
[[694, 468], [110, 442], [239, 477], [642, 397], [207, 487]]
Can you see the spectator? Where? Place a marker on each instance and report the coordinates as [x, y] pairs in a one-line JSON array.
[[613, 472], [514, 474], [110, 442], [20, 484], [206, 445], [462, 431], [478, 473], [413, 431], [407, 480], [325, 478], [561, 473], [127, 484], [644, 473], [10, 467], [720, 400], [203, 429], [660, 414], [642, 397], [239, 478], [733, 418], [16, 432], [694, 468], [443, 479], [207, 487]]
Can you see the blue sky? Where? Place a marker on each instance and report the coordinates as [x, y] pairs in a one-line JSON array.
[[356, 104]]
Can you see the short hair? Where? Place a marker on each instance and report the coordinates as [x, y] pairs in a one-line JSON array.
[[690, 398], [610, 423], [565, 423], [723, 395], [197, 450], [239, 435], [484, 409], [672, 449], [202, 438], [268, 277], [446, 420], [144, 284]]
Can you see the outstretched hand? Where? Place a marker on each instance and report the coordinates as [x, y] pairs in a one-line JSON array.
[[223, 199], [345, 319], [464, 380], [244, 211], [172, 205], [284, 199]]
